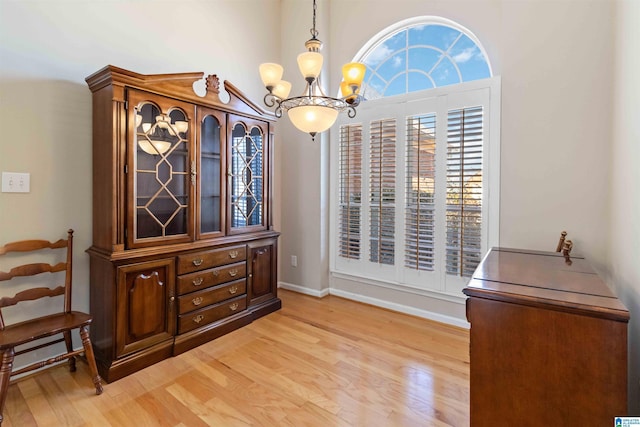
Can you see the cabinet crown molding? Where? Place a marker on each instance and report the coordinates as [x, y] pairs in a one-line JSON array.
[[182, 85]]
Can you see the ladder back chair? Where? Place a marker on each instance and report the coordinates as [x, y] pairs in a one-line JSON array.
[[62, 323]]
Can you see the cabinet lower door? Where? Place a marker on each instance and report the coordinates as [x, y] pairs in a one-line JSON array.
[[146, 305], [262, 283]]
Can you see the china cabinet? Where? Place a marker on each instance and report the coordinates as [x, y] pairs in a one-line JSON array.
[[184, 249]]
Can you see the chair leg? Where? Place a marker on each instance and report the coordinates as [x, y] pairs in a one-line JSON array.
[[91, 359], [5, 374], [67, 341]]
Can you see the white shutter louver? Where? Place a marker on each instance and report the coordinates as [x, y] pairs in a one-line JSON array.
[[350, 191], [382, 190], [464, 190], [420, 188]]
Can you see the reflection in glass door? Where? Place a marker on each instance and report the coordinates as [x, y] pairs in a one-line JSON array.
[[246, 173], [210, 163], [161, 171]]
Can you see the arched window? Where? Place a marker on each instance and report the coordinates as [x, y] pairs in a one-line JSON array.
[[417, 170], [430, 53]]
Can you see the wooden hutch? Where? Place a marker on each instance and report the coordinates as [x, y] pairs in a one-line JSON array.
[[184, 249]]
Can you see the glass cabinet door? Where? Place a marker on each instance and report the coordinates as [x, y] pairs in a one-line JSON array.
[[163, 171], [211, 159], [247, 156]]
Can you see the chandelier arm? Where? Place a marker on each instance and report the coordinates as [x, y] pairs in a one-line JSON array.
[[278, 111], [351, 111], [269, 100]]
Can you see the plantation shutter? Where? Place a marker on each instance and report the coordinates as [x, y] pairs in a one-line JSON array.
[[419, 190], [350, 191], [382, 189], [464, 190]]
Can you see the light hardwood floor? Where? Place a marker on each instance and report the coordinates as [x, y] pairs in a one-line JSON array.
[[317, 362]]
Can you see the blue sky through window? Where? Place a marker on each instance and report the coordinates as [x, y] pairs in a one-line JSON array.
[[422, 56]]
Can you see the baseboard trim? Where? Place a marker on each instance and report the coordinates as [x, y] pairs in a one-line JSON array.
[[425, 314], [303, 290]]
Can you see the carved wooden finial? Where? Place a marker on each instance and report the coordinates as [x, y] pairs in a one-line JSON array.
[[563, 235], [566, 250], [213, 84]]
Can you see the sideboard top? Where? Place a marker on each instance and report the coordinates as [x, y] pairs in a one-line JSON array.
[[544, 279]]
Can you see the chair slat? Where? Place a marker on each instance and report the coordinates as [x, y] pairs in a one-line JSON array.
[[32, 269], [30, 295], [31, 245]]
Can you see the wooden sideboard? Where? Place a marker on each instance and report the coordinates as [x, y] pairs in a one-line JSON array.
[[548, 342]]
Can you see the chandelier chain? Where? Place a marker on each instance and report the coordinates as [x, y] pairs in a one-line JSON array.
[[314, 32]]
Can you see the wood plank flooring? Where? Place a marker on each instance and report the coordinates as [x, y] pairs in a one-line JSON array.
[[317, 362]]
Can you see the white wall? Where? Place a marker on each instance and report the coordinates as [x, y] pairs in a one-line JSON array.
[[46, 51], [304, 193], [624, 228]]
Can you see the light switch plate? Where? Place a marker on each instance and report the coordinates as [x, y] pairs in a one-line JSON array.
[[14, 182]]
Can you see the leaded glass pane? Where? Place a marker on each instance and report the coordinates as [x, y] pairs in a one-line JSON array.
[[161, 171]]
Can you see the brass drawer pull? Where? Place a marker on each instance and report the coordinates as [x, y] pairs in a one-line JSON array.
[[233, 254], [216, 273], [233, 273], [197, 281], [197, 301], [197, 262], [233, 289], [199, 318], [234, 306]]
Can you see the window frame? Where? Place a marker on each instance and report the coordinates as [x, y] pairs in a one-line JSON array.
[[445, 98]]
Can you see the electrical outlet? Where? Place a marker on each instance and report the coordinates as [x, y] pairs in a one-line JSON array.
[[294, 261], [14, 182]]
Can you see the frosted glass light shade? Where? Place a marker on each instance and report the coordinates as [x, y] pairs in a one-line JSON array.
[[282, 89], [313, 118], [347, 91], [310, 64], [353, 73], [270, 73]]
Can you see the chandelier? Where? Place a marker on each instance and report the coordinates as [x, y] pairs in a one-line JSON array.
[[312, 111]]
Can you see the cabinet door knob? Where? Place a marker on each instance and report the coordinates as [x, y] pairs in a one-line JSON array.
[[197, 301], [233, 289], [199, 318], [198, 262], [234, 306], [197, 281]]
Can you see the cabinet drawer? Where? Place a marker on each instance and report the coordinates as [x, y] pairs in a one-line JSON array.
[[214, 276], [205, 297], [196, 319], [202, 260]]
